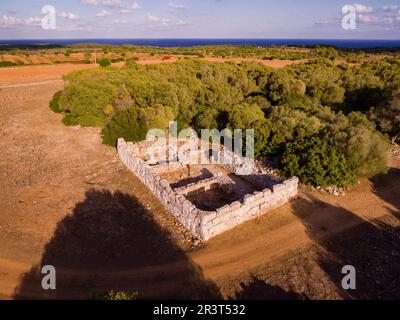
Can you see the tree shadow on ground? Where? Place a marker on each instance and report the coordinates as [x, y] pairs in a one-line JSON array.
[[110, 242], [372, 247], [387, 187], [259, 289]]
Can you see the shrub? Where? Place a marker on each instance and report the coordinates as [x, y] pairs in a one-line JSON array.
[[70, 120], [129, 124], [122, 295], [104, 62], [89, 120], [316, 162], [131, 62], [54, 106], [7, 64]]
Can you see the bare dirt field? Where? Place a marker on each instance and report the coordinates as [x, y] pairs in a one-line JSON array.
[[68, 201], [32, 74]]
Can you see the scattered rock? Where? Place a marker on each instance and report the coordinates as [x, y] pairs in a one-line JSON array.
[[335, 191]]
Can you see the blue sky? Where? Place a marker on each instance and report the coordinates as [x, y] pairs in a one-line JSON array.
[[376, 19]]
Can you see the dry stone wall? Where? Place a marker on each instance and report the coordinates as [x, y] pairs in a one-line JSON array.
[[205, 224]]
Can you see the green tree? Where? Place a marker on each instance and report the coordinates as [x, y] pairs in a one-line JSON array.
[[129, 124], [388, 118], [317, 162], [104, 62], [54, 105]]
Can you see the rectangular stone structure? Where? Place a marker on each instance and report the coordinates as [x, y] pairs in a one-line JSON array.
[[204, 224]]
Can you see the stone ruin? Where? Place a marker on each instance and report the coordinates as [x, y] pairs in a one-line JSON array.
[[222, 197]]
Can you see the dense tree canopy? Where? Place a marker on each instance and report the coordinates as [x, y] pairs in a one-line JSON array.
[[319, 117]]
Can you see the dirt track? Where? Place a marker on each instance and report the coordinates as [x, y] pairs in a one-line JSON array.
[[68, 201]]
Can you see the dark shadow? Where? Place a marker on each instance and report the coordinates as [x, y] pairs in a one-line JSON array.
[[212, 199], [260, 290], [110, 242], [387, 187], [363, 98], [205, 174], [259, 181], [343, 238]]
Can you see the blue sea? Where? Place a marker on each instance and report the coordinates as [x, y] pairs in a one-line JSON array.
[[345, 44]]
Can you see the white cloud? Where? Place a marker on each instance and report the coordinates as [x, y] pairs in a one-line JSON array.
[[108, 3], [368, 18], [175, 6], [165, 22], [360, 8], [120, 21], [122, 7], [393, 7], [69, 15], [33, 21], [152, 18], [325, 23], [184, 23], [81, 26], [129, 8], [10, 21], [103, 13]]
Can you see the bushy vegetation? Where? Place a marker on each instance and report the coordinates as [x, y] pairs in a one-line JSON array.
[[319, 118], [5, 64], [115, 296], [130, 124], [316, 161], [104, 62], [54, 106]]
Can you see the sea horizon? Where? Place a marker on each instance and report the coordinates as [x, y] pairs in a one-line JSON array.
[[190, 42]]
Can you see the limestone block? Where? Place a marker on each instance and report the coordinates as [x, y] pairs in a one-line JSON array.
[[248, 198], [278, 188], [220, 219], [256, 204], [164, 183], [235, 205], [229, 223], [254, 211], [265, 206], [216, 230], [203, 234], [267, 193], [223, 211], [187, 207], [207, 217], [236, 214], [258, 195]]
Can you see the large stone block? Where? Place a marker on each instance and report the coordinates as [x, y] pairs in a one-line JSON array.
[[164, 184], [220, 219], [235, 205], [223, 211], [258, 195], [207, 217], [188, 207], [278, 188], [253, 212], [267, 193], [248, 199]]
